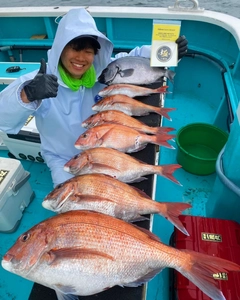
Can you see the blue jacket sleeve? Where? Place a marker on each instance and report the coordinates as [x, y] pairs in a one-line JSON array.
[[56, 164]]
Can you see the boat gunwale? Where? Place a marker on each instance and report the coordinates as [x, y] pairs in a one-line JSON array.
[[228, 22]]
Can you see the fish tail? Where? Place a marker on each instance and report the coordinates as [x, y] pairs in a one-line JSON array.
[[162, 89], [200, 269], [161, 139], [172, 212], [166, 129], [159, 130], [164, 112], [168, 170], [170, 75]]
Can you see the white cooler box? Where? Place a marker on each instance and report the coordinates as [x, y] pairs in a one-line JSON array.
[[15, 193], [26, 144]]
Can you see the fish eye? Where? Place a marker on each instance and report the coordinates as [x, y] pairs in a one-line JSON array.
[[25, 237], [84, 135], [76, 156]]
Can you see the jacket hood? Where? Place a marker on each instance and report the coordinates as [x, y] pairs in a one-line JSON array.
[[75, 23]]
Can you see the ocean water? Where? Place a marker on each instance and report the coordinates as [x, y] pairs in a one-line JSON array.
[[231, 7]]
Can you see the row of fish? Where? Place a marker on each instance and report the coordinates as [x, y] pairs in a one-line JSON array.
[[111, 134], [91, 245], [110, 126]]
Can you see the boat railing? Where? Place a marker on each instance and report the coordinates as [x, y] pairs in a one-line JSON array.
[[193, 7]]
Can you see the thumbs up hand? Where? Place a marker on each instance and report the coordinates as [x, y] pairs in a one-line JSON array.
[[42, 86]]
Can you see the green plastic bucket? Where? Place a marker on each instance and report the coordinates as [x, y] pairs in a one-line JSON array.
[[198, 146]]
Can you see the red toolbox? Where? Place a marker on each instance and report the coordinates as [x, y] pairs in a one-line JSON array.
[[214, 237]]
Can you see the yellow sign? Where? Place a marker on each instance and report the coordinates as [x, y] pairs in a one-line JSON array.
[[164, 51], [165, 32]]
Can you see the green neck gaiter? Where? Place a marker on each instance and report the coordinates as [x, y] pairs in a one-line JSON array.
[[88, 79]]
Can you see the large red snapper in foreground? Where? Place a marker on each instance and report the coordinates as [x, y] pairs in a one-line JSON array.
[[84, 253]]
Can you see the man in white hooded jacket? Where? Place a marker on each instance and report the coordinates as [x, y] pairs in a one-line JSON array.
[[60, 103]]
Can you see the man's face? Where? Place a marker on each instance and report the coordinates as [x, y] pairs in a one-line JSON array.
[[77, 62]]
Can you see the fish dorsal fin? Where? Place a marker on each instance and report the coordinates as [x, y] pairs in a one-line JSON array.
[[144, 279], [126, 72], [149, 233], [75, 252]]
